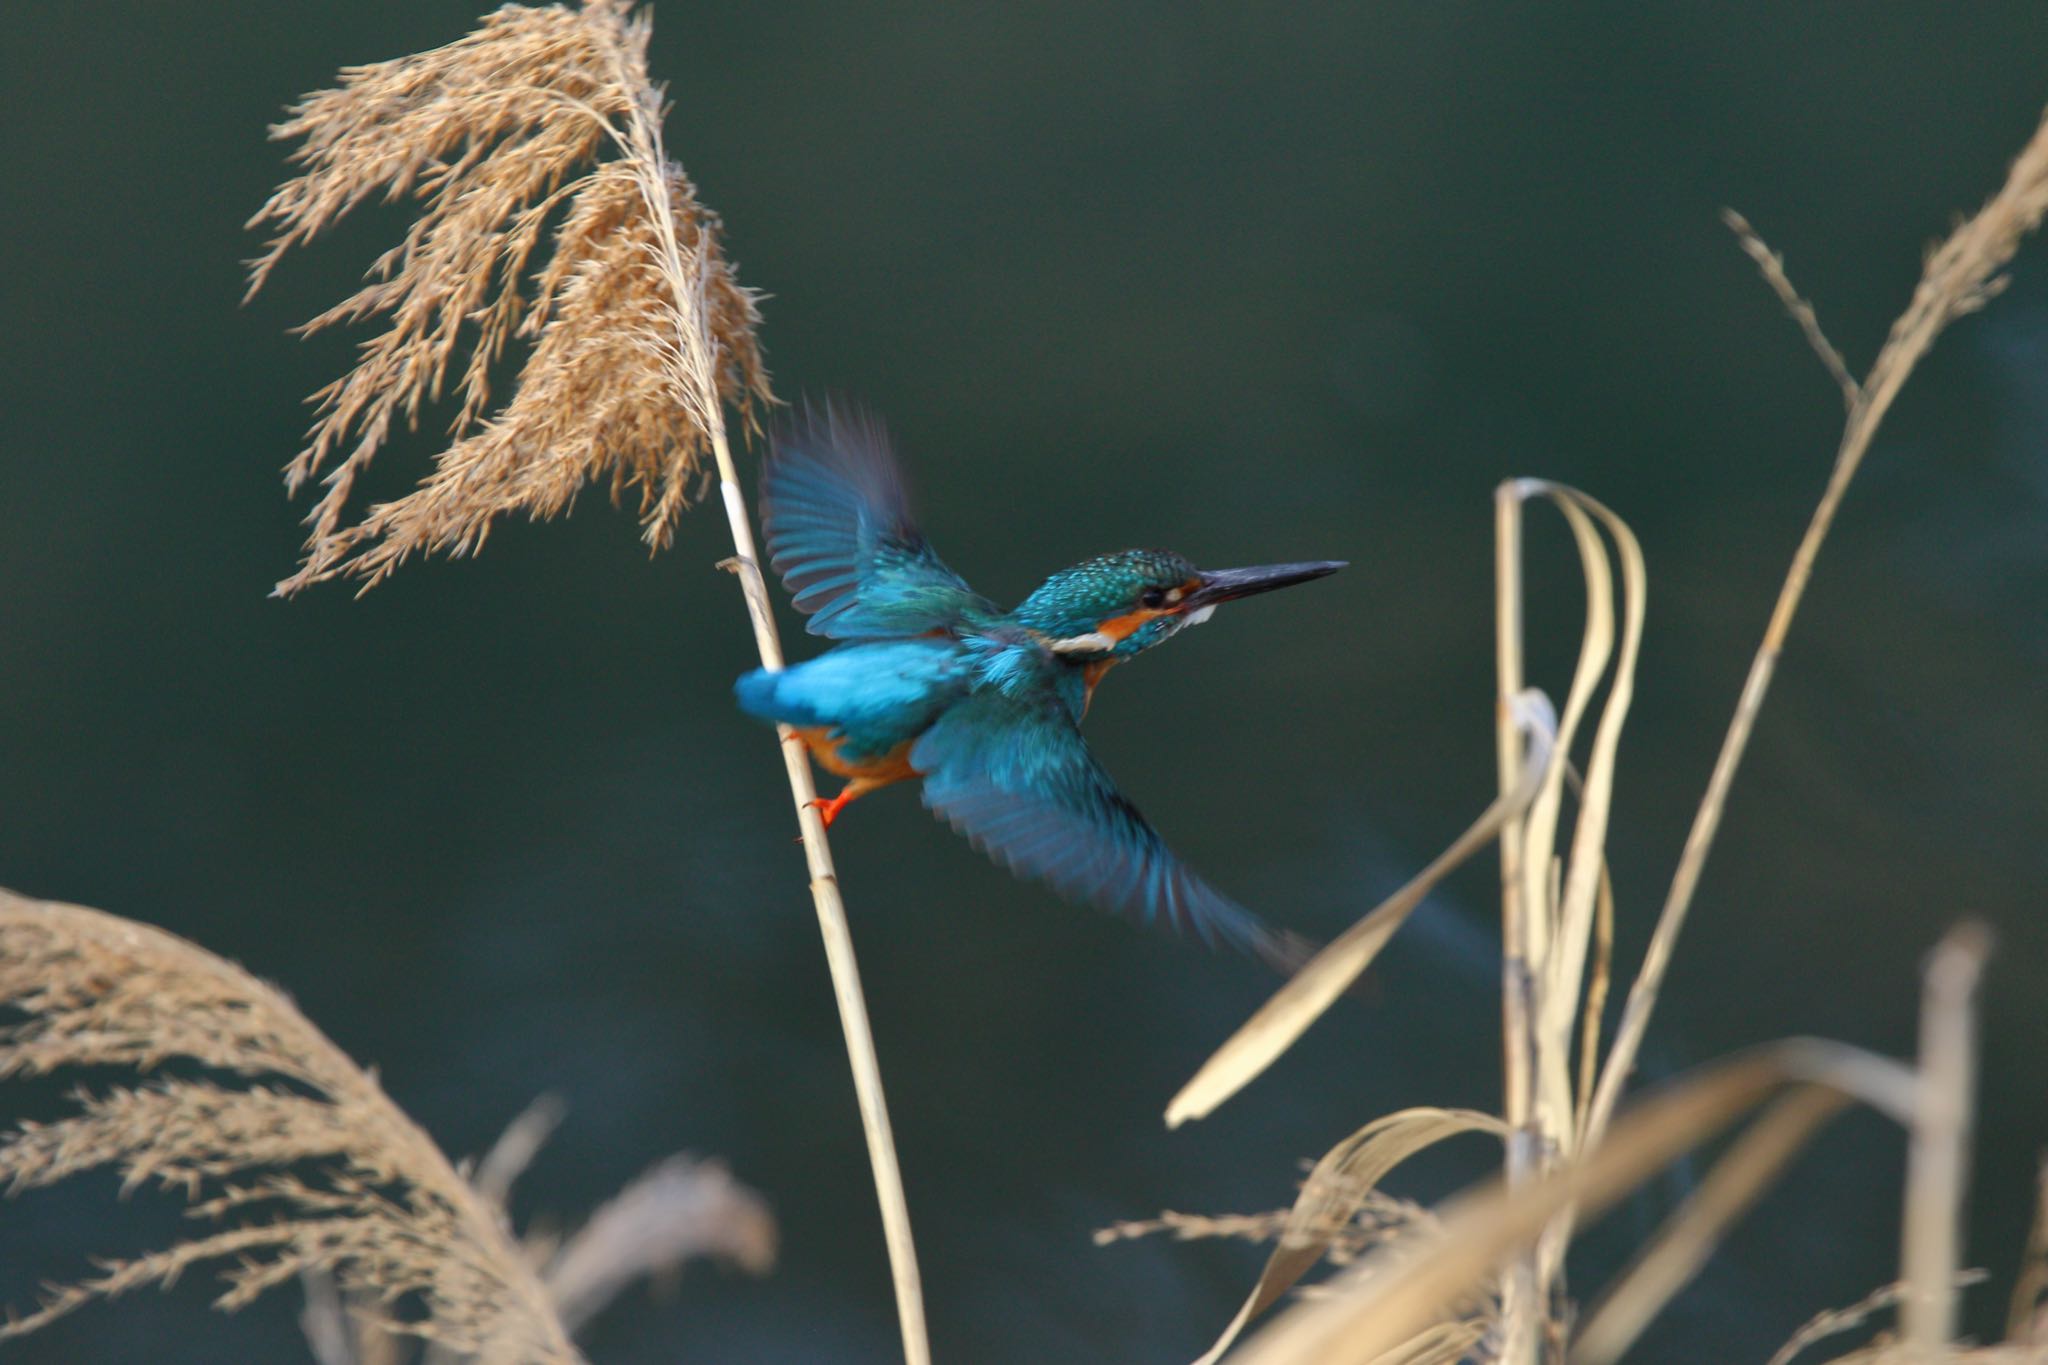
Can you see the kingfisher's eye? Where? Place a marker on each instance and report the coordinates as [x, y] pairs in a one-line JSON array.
[[1153, 597]]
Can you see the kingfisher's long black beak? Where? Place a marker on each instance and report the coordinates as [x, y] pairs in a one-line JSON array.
[[1221, 585]]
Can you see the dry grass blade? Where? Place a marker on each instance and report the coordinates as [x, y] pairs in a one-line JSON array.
[[1578, 903], [1689, 1237], [1399, 1293], [1326, 976], [1960, 275], [495, 138], [305, 1166], [1336, 1187]]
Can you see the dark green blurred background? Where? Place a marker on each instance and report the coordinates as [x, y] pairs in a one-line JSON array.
[[1252, 282]]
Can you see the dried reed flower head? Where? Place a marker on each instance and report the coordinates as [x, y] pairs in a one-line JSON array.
[[637, 331], [297, 1162]]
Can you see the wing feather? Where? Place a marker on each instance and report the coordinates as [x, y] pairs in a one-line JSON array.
[[1016, 777], [839, 531]]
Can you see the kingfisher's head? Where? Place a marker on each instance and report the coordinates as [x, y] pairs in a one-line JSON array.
[[1115, 606]]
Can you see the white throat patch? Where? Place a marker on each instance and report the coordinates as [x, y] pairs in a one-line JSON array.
[[1094, 642]]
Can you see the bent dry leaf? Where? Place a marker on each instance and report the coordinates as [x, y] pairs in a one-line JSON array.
[[1281, 1020], [1335, 1188], [1557, 907], [1391, 1297]]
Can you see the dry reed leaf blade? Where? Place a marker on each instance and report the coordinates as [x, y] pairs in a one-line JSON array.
[[1668, 1262], [1334, 1189], [1548, 943], [1389, 1298], [1586, 872], [491, 138], [1274, 1027]]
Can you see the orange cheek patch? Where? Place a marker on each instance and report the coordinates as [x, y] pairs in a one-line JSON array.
[[1123, 627]]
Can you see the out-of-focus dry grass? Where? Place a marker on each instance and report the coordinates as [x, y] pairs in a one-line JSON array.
[[1570, 1148], [294, 1163]]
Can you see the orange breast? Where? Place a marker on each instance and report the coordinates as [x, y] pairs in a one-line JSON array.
[[893, 766]]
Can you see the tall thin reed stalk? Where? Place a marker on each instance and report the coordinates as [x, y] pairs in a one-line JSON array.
[[639, 337], [1495, 1261]]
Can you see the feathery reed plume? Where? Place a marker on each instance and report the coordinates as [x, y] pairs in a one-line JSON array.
[[301, 1166], [494, 137], [305, 1164], [640, 338]]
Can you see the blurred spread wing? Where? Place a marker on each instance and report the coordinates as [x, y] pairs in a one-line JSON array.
[[839, 532], [1018, 780]]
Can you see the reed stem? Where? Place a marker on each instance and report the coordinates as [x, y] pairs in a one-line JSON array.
[[698, 351]]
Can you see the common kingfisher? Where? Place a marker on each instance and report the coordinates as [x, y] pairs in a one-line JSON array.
[[933, 681]]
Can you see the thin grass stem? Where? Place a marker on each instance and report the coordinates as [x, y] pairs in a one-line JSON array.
[[1522, 1309], [1960, 275], [696, 342], [1937, 1162]]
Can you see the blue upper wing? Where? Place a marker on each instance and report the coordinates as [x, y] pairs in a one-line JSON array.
[[839, 532], [1014, 775]]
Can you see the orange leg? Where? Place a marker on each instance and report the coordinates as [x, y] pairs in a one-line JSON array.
[[828, 811]]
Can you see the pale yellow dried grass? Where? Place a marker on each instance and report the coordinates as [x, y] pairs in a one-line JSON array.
[[1567, 1155]]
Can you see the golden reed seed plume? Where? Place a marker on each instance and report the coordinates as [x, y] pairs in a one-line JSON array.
[[543, 119], [290, 1152], [295, 1165]]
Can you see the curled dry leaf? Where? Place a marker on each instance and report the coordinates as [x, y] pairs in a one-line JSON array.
[[1346, 1176]]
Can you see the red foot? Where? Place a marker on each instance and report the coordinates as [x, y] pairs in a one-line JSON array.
[[828, 811]]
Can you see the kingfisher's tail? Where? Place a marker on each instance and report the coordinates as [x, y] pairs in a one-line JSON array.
[[759, 695]]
